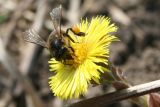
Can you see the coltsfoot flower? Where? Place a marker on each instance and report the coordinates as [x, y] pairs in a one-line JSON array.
[[90, 53]]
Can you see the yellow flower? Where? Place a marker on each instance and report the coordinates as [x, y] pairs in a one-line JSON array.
[[90, 52]]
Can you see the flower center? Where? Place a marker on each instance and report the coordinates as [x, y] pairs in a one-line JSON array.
[[80, 53]]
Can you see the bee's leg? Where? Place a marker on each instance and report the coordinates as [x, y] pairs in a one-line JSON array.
[[80, 34], [76, 33], [68, 31], [66, 34], [71, 49]]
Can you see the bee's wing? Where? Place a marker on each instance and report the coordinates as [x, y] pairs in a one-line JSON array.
[[33, 37], [56, 14]]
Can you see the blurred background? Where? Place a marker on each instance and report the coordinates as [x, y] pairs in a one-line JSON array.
[[24, 70]]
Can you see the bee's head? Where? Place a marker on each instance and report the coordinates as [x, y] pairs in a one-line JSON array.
[[58, 50], [56, 44]]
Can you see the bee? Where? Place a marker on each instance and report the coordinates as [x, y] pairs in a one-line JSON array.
[[58, 42]]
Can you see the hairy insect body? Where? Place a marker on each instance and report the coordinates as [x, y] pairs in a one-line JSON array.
[[58, 48], [58, 42]]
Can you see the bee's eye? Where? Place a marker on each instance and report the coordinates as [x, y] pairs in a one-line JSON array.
[[56, 44]]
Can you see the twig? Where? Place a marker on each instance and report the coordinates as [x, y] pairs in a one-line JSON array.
[[29, 52], [73, 13], [113, 97], [118, 14], [85, 7], [22, 6], [30, 49], [92, 6], [10, 65]]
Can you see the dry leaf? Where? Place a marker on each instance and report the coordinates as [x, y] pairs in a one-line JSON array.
[[154, 100]]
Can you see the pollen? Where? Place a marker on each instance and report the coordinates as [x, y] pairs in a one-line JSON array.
[[75, 29], [80, 53]]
